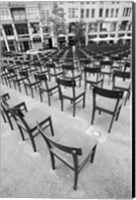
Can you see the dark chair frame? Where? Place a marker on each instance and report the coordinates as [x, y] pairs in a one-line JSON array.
[[124, 76], [50, 91], [109, 94], [72, 85], [23, 125], [73, 151], [89, 71]]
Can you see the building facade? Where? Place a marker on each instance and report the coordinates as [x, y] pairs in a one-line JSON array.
[[26, 25]]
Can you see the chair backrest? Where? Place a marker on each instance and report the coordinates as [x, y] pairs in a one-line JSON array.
[[92, 70], [19, 118], [121, 74], [68, 67], [24, 73], [108, 93], [51, 143], [66, 83], [105, 63]]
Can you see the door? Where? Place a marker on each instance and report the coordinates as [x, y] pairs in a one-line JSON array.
[[26, 45]]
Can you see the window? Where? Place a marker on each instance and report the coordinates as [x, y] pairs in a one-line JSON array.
[[104, 27], [21, 29], [18, 14], [11, 45], [117, 11], [82, 13], [92, 27], [87, 13], [71, 12], [37, 40], [127, 12], [100, 12], [130, 11], [113, 26], [112, 12], [35, 27], [8, 29], [93, 13], [124, 11], [107, 13], [130, 27]]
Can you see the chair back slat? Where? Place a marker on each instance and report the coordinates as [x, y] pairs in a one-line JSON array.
[[66, 83], [92, 70], [121, 74], [108, 93]]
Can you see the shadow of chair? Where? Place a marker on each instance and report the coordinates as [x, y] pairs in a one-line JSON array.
[[92, 76], [46, 86], [74, 94], [108, 101], [74, 156], [27, 123], [122, 81]]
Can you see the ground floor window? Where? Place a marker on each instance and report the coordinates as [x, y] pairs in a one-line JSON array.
[[11, 44]]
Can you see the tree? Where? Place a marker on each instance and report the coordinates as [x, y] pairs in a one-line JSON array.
[[58, 21], [80, 33]]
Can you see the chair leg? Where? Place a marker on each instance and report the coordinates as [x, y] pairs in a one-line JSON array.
[[75, 179], [4, 118], [26, 90], [51, 126], [32, 93], [33, 142], [74, 108], [52, 161], [21, 132], [10, 123], [49, 99], [84, 101], [19, 87], [61, 104], [111, 124], [93, 154], [93, 115]]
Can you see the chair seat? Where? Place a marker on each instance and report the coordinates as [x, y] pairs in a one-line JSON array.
[[51, 85], [122, 84], [75, 139], [35, 115], [92, 78], [106, 70], [107, 103], [69, 93], [70, 75], [13, 102]]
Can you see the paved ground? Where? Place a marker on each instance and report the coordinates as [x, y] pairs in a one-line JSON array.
[[25, 174]]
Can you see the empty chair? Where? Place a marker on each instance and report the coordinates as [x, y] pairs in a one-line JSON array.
[[106, 68], [122, 81], [92, 76], [108, 101], [70, 72], [69, 91], [46, 86], [6, 101], [73, 153], [53, 71], [29, 82], [116, 62], [28, 121]]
